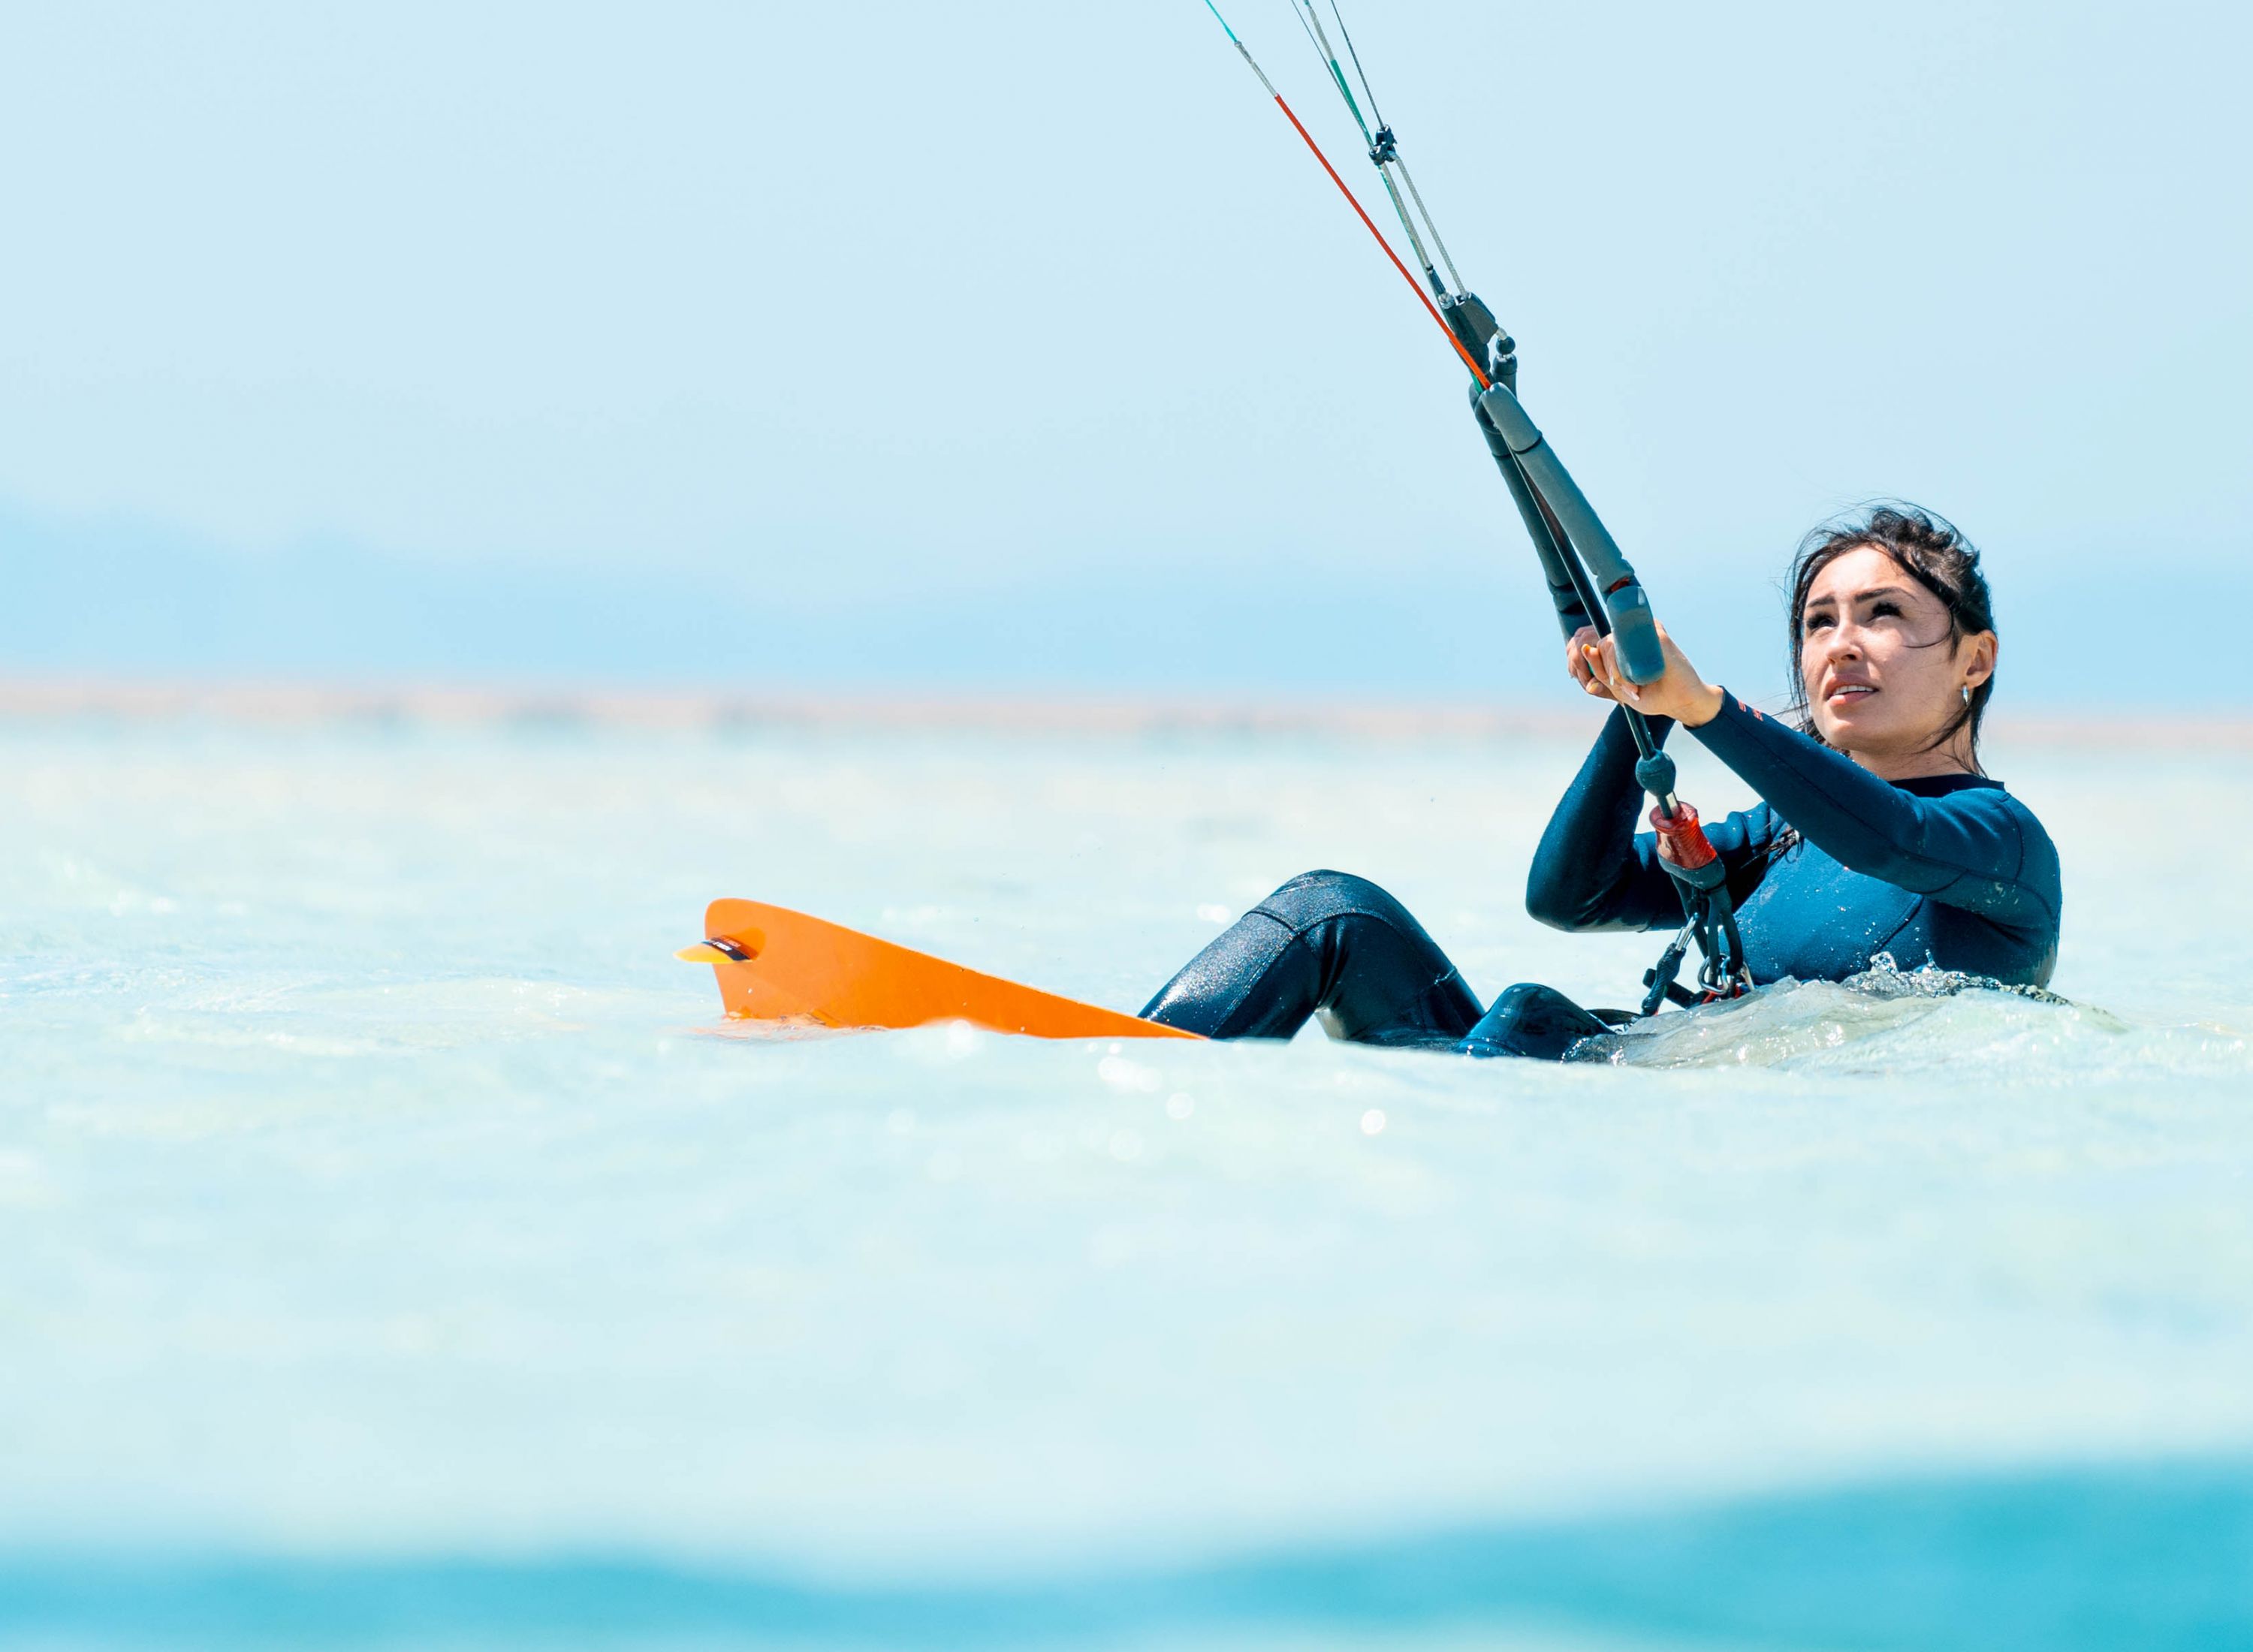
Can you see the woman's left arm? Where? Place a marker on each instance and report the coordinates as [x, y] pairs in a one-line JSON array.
[[1969, 849], [1977, 849]]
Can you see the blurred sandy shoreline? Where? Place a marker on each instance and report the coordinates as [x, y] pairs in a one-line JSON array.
[[283, 704]]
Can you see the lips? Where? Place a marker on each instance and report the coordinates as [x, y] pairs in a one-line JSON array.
[[1847, 694]]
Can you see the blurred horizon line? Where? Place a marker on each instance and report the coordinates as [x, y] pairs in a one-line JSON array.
[[296, 702]]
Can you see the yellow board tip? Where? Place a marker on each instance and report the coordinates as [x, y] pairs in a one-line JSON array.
[[702, 952]]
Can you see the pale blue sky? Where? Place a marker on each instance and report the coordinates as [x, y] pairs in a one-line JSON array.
[[1021, 345]]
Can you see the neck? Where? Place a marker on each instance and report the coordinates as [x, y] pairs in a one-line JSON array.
[[1955, 757]]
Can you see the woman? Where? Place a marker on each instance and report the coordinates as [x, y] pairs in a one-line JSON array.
[[1878, 832]]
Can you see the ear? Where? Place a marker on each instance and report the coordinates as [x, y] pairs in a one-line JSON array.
[[1978, 653]]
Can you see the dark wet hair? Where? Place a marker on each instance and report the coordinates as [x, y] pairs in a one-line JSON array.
[[1932, 551]]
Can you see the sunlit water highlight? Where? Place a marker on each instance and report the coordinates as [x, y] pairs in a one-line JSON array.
[[395, 1246]]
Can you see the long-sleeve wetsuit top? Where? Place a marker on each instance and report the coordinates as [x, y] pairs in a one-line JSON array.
[[1949, 869]]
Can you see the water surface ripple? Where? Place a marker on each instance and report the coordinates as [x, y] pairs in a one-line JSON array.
[[395, 1246]]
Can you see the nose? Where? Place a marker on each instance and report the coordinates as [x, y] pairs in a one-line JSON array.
[[1844, 641]]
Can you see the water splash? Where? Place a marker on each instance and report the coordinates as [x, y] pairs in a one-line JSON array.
[[1891, 1021]]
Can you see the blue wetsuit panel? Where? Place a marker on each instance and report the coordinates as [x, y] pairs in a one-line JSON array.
[[1949, 869]]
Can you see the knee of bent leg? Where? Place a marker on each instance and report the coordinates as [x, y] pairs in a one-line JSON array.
[[1312, 897], [1530, 1019]]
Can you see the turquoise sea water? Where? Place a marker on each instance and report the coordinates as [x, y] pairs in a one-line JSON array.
[[397, 1249]]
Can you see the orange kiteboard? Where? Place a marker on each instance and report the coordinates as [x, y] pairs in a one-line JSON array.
[[777, 964]]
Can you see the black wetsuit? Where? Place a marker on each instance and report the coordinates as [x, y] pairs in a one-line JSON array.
[[1950, 870]]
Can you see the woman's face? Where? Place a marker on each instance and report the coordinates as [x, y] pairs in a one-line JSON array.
[[1882, 677]]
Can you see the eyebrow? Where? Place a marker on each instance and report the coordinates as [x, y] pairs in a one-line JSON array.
[[1860, 597]]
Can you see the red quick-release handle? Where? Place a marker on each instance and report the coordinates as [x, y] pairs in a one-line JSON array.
[[1683, 839]]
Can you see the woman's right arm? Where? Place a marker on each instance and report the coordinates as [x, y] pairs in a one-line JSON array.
[[1591, 871]]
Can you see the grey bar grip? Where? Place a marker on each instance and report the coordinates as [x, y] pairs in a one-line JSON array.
[[1637, 628], [1640, 655], [1572, 610]]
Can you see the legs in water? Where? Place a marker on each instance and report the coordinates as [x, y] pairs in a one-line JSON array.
[[1330, 945], [1325, 943]]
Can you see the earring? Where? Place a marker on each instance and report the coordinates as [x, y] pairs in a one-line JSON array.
[[1967, 693]]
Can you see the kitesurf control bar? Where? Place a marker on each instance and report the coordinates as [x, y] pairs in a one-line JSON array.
[[1629, 610], [1591, 583]]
